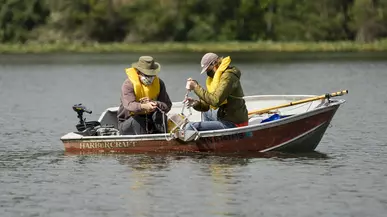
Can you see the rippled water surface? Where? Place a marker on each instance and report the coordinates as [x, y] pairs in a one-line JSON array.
[[345, 177]]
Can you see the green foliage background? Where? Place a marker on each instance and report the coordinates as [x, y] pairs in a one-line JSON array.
[[133, 21]]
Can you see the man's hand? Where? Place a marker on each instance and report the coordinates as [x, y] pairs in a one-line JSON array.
[[190, 102], [144, 100], [149, 106], [191, 84]]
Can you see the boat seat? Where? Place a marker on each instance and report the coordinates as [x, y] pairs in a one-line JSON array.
[[110, 119]]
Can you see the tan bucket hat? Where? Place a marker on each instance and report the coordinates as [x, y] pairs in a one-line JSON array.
[[147, 65]]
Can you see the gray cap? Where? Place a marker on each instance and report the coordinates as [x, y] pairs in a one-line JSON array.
[[207, 60]]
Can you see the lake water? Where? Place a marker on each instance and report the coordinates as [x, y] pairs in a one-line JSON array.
[[346, 177]]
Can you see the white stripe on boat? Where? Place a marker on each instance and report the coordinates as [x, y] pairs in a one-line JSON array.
[[291, 140]]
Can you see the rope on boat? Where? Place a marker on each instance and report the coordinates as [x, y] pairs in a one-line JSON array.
[[165, 127], [190, 113], [172, 135]]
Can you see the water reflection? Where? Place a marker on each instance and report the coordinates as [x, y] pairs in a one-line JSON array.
[[155, 183], [218, 184], [146, 162], [160, 161], [183, 176]]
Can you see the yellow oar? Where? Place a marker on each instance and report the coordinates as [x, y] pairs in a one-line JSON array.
[[325, 96]]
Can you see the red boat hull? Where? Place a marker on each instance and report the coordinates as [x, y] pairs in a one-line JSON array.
[[300, 135]]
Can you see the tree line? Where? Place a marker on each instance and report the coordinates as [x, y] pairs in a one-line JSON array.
[[138, 21]]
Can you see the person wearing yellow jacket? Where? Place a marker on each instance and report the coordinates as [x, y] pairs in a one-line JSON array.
[[222, 101], [144, 100]]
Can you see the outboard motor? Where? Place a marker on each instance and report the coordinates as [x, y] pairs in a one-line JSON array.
[[92, 128], [86, 128]]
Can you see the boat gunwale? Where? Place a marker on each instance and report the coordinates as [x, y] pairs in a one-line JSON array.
[[333, 104], [274, 123], [263, 97]]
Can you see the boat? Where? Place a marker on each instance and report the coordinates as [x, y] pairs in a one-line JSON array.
[[277, 123]]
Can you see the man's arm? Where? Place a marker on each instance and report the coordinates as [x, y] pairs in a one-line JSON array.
[[221, 93], [201, 106], [128, 97], [163, 101]]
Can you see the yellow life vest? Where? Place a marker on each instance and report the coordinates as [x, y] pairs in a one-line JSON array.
[[212, 83], [151, 91]]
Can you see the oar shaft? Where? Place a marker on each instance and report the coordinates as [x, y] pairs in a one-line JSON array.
[[325, 96]]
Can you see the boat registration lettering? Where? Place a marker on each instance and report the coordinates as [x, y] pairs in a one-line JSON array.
[[91, 145]]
